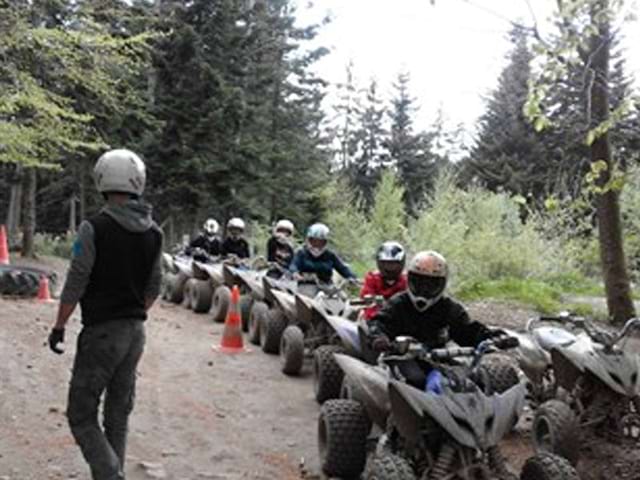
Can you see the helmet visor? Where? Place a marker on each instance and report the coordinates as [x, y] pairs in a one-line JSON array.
[[390, 270], [426, 286], [283, 232]]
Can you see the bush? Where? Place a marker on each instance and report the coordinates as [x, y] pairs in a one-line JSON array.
[[54, 245], [482, 235]]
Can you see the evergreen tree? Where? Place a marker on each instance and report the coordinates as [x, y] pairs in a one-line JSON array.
[[410, 153], [371, 136], [509, 154]]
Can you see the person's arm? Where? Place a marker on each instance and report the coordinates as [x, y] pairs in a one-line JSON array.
[[271, 250], [152, 290], [464, 331], [368, 288], [245, 249], [78, 275], [294, 266], [342, 267]]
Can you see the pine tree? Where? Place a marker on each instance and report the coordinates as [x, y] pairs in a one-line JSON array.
[[411, 153], [509, 154], [370, 136]]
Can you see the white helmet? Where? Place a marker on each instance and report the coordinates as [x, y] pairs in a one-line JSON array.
[[427, 277], [283, 226], [120, 171], [211, 227], [390, 259], [317, 231], [235, 224]]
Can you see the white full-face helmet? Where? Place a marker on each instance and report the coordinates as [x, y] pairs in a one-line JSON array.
[[427, 277], [283, 229], [317, 239], [211, 227], [120, 171], [390, 259], [235, 227]]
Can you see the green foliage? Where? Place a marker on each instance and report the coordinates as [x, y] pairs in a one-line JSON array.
[[54, 245], [483, 236], [388, 215]]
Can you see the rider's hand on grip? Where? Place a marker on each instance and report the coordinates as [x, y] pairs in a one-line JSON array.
[[506, 342], [381, 343]]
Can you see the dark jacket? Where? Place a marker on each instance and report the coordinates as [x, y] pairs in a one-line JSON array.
[[235, 246], [115, 265], [211, 245], [323, 266], [446, 320], [279, 251]]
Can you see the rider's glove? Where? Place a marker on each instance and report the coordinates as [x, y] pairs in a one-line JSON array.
[[381, 343], [55, 337], [495, 333]]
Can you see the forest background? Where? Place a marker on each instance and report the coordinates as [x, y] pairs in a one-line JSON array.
[[222, 101]]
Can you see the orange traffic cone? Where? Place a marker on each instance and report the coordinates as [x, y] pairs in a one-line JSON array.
[[4, 247], [232, 333], [43, 290]]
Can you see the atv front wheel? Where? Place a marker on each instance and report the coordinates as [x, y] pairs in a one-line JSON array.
[[258, 310], [292, 350], [201, 296], [547, 466], [327, 378], [273, 324], [390, 467], [220, 303], [343, 427], [556, 430], [246, 302], [167, 281], [176, 287], [187, 297], [502, 375]]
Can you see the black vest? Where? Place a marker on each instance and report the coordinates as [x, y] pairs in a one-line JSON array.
[[120, 273]]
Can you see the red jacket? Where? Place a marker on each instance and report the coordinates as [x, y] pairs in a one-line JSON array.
[[375, 285]]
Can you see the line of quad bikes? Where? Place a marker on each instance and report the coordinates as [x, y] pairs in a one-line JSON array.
[[580, 380]]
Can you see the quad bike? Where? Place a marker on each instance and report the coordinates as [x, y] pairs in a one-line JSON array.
[[305, 323], [588, 390], [249, 279], [448, 431]]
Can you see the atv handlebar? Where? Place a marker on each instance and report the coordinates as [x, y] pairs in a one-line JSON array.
[[417, 351], [595, 333]]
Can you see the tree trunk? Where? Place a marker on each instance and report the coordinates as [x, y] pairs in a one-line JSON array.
[[72, 214], [14, 215], [29, 226], [614, 268]]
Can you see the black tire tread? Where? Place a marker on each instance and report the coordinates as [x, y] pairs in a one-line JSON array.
[[201, 296], [390, 467], [258, 310], [564, 423], [328, 374], [292, 350], [346, 428], [547, 466], [273, 324]]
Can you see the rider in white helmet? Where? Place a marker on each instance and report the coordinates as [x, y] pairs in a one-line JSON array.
[[315, 257], [280, 245], [115, 277], [425, 313], [208, 240], [235, 243]]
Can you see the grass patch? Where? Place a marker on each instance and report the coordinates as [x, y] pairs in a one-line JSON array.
[[540, 295]]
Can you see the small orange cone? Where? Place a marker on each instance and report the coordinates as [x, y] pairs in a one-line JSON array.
[[4, 247], [232, 333], [43, 290]]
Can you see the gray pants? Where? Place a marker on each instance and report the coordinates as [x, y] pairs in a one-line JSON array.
[[106, 360]]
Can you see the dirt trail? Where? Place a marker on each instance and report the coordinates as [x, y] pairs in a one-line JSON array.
[[199, 414]]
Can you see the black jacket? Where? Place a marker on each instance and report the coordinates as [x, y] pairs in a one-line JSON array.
[[120, 273], [280, 252], [445, 320], [238, 247], [211, 245]]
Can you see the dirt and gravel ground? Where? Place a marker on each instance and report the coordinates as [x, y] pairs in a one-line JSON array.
[[199, 414]]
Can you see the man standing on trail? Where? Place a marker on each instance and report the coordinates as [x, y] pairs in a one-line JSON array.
[[115, 276]]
